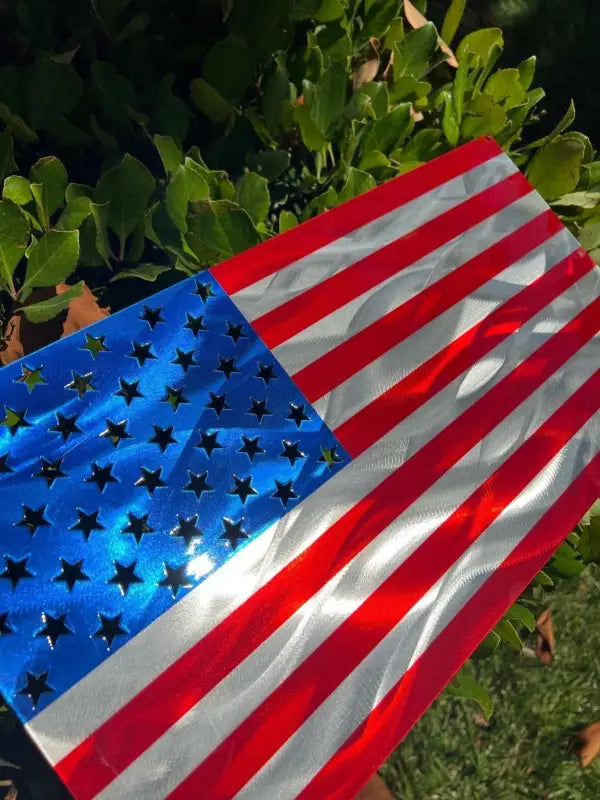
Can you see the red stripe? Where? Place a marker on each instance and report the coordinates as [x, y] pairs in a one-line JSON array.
[[404, 397], [372, 742], [310, 306], [269, 726], [252, 265], [111, 748], [355, 353]]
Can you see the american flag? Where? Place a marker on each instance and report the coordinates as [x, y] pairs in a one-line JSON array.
[[253, 525]]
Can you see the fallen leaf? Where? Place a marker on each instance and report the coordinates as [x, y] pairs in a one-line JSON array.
[[375, 789], [366, 73], [416, 20], [590, 743], [83, 310], [545, 637]]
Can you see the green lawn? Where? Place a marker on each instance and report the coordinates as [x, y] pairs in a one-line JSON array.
[[529, 749]]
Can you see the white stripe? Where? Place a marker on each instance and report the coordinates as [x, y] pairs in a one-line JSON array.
[[164, 765], [371, 381], [318, 339], [267, 293], [100, 694], [300, 758]]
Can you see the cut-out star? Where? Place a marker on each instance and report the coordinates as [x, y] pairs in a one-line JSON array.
[[142, 352], [195, 324], [251, 447], [284, 492], [31, 377], [197, 484], [175, 578], [13, 420], [4, 468], [115, 431], [101, 476], [33, 518], [233, 532], [5, 628], [71, 573], [138, 526], [15, 571], [227, 367], [36, 686], [129, 391], [297, 414], [86, 523], [124, 576], [291, 451], [163, 437], [330, 456], [174, 397], [218, 403], [51, 471], [208, 442], [150, 479], [259, 409], [66, 426], [204, 291], [186, 529], [152, 316], [54, 628], [243, 488], [265, 373], [81, 383], [235, 331], [110, 628], [185, 359], [94, 345]]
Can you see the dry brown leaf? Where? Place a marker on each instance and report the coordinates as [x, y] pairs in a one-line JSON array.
[[83, 310], [416, 115], [375, 789], [545, 637], [416, 20], [366, 73], [8, 790], [590, 743], [23, 337]]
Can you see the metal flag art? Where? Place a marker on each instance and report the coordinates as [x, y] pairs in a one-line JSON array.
[[251, 526]]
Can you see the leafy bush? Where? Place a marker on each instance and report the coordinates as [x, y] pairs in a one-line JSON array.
[[144, 141]]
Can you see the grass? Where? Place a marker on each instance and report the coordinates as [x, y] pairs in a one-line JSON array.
[[529, 748]]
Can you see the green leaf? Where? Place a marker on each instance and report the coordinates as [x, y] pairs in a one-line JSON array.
[[311, 136], [466, 687], [16, 126], [270, 163], [74, 213], [99, 213], [567, 120], [452, 19], [277, 95], [52, 259], [567, 562], [506, 631], [287, 220], [78, 190], [554, 170], [221, 229], [527, 71], [229, 68], [356, 183], [449, 121], [48, 309], [188, 185], [329, 10], [423, 146], [459, 87], [378, 93], [412, 54], [522, 615], [17, 189], [128, 188], [390, 131], [169, 152], [481, 43], [144, 272], [589, 544], [48, 173], [210, 102], [543, 579], [252, 194], [408, 88], [505, 87], [170, 115], [579, 200], [487, 646], [7, 158], [482, 116], [378, 17], [14, 236], [328, 98]]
